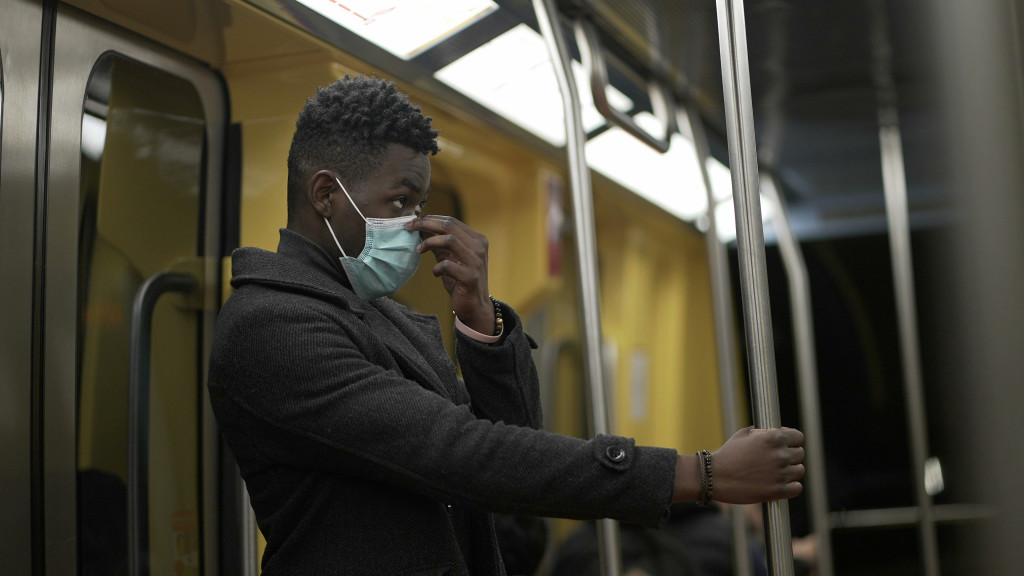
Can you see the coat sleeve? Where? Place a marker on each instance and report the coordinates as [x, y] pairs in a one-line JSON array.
[[501, 378], [290, 387]]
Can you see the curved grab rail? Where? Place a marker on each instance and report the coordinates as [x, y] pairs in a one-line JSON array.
[[138, 411], [594, 63]]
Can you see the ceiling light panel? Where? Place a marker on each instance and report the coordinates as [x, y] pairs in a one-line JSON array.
[[671, 180], [512, 75], [404, 28]]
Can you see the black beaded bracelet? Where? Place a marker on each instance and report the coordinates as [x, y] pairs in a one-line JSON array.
[[706, 485], [499, 324]]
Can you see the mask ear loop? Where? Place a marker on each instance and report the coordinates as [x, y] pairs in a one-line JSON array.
[[335, 237], [350, 198], [357, 212]]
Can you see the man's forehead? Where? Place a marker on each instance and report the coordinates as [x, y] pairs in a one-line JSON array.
[[401, 152], [403, 167], [407, 160]]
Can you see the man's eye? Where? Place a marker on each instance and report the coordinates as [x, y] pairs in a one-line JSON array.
[[420, 207], [399, 202]]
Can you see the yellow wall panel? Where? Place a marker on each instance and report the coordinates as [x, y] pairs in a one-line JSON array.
[[266, 98], [265, 180], [656, 314]]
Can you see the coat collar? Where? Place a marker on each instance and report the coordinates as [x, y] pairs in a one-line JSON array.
[[302, 266], [299, 265]]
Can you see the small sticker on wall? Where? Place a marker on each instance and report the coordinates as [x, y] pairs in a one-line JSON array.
[[555, 224], [639, 369], [186, 543]]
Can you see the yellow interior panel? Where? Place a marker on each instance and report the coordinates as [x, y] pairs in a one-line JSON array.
[[655, 292]]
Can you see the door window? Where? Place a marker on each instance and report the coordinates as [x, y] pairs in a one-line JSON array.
[[143, 143]]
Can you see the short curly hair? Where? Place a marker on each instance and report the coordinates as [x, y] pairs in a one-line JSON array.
[[346, 127]]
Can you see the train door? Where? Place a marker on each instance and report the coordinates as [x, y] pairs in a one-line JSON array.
[[129, 292]]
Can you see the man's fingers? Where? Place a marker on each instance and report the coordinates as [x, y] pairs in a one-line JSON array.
[[797, 472], [460, 273], [438, 243], [437, 225], [434, 226], [781, 436], [793, 436], [792, 490], [464, 248]]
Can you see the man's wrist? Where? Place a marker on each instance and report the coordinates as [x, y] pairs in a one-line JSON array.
[[479, 317], [484, 318], [687, 484], [474, 334]]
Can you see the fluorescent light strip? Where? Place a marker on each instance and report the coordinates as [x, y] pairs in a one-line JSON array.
[[671, 180], [405, 28], [512, 75]]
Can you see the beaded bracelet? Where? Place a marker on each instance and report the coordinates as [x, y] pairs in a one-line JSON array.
[[499, 324], [706, 485]]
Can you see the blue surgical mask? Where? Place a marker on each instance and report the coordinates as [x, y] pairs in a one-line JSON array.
[[389, 257]]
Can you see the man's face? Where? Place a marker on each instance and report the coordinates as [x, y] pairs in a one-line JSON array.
[[398, 188]]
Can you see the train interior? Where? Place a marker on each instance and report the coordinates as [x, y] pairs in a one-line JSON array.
[[143, 140]]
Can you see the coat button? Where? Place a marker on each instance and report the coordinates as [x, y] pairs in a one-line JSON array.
[[615, 453]]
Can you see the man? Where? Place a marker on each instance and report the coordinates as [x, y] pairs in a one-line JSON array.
[[362, 451]]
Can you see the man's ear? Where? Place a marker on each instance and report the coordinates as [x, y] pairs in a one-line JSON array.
[[318, 193]]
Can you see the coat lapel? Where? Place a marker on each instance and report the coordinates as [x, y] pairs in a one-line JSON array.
[[415, 342]]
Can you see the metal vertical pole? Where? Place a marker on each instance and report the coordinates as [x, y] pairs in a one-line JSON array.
[[807, 376], [721, 298], [894, 183], [586, 247], [739, 118]]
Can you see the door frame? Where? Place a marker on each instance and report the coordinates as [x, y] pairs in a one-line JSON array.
[[20, 507], [80, 40]]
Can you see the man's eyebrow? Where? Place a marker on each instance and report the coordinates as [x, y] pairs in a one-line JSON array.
[[413, 186]]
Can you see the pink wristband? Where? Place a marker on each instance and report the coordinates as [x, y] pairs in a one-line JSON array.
[[474, 334]]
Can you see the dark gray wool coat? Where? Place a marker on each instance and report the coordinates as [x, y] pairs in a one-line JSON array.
[[362, 451]]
